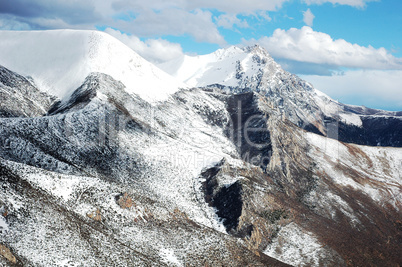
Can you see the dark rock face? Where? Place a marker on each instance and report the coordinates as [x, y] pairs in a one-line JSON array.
[[81, 97], [227, 199], [375, 131], [383, 131], [361, 110], [248, 129], [229, 205]]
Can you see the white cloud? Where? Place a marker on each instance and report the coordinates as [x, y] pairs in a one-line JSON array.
[[9, 23], [176, 22], [307, 45], [308, 17], [236, 6], [153, 50], [372, 88], [147, 18], [354, 3], [226, 6], [263, 15], [228, 20]]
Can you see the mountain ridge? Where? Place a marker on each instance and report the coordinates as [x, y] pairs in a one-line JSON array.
[[212, 176]]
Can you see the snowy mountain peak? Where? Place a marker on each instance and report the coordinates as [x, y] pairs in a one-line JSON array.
[[60, 60], [230, 51], [231, 67], [258, 50], [239, 70]]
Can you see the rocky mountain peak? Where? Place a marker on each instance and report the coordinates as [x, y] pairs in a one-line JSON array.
[[258, 50]]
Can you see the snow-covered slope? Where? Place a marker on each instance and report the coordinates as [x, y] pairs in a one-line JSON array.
[[60, 60], [239, 70]]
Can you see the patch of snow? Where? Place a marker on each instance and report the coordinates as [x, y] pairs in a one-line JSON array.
[[169, 257], [15, 202], [332, 108], [208, 69], [343, 206], [66, 263], [380, 164], [351, 118], [296, 247], [59, 186], [3, 225]]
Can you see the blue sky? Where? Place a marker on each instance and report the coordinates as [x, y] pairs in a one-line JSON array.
[[349, 49]]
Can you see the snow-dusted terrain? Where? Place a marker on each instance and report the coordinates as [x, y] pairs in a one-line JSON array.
[[226, 161]]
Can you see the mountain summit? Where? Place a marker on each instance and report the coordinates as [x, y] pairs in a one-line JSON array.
[[228, 67], [60, 60]]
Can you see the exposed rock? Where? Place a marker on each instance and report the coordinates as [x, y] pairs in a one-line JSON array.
[[124, 201], [96, 215], [7, 254]]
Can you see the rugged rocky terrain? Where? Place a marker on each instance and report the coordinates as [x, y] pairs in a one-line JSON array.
[[243, 171]]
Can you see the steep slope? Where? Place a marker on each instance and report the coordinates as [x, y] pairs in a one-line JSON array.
[[20, 97], [237, 70], [60, 60], [69, 170]]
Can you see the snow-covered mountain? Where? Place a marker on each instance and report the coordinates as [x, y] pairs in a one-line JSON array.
[[60, 60], [228, 67], [128, 169]]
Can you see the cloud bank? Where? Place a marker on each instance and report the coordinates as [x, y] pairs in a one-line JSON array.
[[146, 18], [307, 45], [354, 3], [372, 88], [153, 50]]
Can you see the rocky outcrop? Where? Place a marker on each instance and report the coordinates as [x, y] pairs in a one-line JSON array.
[[20, 97]]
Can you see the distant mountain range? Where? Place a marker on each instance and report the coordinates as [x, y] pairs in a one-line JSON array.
[[216, 160]]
